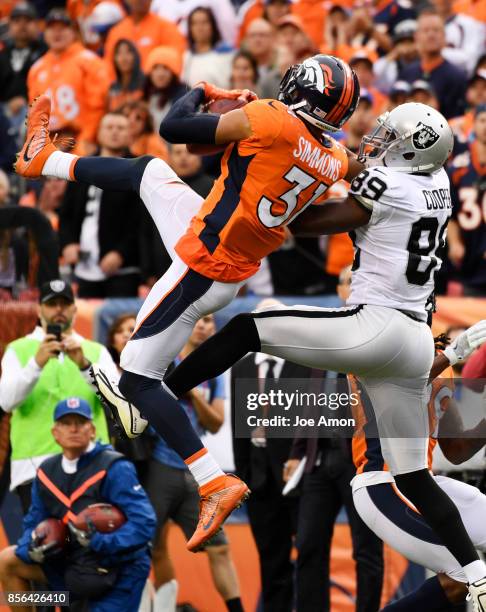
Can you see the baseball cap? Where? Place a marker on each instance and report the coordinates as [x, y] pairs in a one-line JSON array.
[[57, 15], [404, 30], [73, 405], [361, 56], [365, 96], [292, 20], [23, 10], [104, 16], [478, 75], [421, 85], [56, 288], [400, 87]]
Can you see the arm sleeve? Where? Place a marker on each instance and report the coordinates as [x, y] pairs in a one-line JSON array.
[[122, 489], [16, 382], [36, 514], [266, 121]]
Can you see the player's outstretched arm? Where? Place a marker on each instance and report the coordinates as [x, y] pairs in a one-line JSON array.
[[185, 124], [332, 217]]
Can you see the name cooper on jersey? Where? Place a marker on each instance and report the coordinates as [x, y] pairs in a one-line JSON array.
[[437, 199], [315, 157]]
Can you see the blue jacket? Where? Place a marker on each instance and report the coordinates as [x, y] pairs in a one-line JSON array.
[[121, 488]]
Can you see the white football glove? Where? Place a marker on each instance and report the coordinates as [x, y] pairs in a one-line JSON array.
[[466, 342]]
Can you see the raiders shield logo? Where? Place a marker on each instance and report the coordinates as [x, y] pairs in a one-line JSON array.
[[425, 137]]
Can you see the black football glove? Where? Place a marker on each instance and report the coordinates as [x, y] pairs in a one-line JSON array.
[[39, 552]]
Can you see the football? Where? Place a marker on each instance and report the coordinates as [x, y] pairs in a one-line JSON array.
[[51, 530], [222, 106], [105, 517]]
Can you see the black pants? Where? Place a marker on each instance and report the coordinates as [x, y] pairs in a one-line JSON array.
[[325, 490], [124, 285], [272, 521]]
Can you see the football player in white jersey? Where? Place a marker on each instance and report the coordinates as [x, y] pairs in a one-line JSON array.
[[397, 209]]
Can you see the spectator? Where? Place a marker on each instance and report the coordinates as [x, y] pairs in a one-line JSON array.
[[292, 35], [475, 96], [362, 64], [21, 50], [467, 230], [9, 145], [174, 492], [96, 474], [130, 80], [50, 199], [373, 28], [163, 86], [74, 78], [98, 229], [360, 122], [270, 82], [145, 30], [398, 94], [206, 59], [325, 489], [14, 251], [142, 136], [448, 82], [463, 33], [387, 19], [423, 92], [244, 71], [188, 167], [402, 54], [259, 461], [259, 41], [96, 22], [178, 12], [335, 41], [39, 370], [119, 334]]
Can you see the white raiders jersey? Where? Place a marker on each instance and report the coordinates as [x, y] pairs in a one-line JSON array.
[[396, 252]]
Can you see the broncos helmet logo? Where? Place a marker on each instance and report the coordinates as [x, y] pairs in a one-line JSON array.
[[319, 75]]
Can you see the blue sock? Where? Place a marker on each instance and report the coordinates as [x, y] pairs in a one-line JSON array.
[[112, 173], [162, 411], [429, 596]]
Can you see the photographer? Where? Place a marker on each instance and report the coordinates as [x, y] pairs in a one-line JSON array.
[[106, 571], [39, 370]]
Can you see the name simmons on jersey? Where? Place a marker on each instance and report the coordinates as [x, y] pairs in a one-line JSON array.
[[315, 157], [400, 249]]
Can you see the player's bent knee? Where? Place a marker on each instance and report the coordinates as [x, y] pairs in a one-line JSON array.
[[221, 552]]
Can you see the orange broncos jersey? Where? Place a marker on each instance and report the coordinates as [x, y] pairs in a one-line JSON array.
[[266, 181], [367, 455], [77, 83]]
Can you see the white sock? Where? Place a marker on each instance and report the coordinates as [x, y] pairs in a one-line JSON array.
[[475, 571], [204, 469], [58, 165], [165, 599]]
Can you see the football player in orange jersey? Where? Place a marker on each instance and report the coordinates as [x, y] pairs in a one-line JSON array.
[[278, 160]]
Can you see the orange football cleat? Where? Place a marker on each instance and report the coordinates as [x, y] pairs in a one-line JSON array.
[[38, 144], [215, 508]]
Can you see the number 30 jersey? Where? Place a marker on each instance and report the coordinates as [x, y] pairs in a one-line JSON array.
[[266, 181], [398, 251]]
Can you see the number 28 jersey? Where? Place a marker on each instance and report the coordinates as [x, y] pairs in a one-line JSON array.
[[398, 251], [266, 181]]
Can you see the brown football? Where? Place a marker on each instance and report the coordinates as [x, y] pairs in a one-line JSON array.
[[222, 106], [51, 530], [105, 517]]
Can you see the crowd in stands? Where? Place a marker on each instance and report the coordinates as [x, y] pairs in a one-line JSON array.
[[114, 68]]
